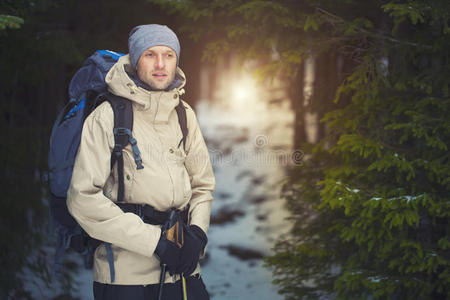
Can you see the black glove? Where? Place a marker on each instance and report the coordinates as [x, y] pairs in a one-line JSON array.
[[169, 253], [195, 241]]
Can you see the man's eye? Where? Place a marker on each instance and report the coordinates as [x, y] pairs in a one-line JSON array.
[[149, 54]]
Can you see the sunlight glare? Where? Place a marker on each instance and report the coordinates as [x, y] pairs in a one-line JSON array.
[[244, 91]]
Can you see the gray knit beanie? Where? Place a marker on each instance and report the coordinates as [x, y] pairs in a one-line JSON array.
[[143, 37]]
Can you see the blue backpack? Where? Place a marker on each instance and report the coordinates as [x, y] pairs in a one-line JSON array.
[[86, 91]]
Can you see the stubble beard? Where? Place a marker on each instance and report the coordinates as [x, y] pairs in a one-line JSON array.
[[157, 85]]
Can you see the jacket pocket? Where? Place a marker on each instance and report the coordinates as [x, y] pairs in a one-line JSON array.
[[110, 189], [129, 173], [179, 157]]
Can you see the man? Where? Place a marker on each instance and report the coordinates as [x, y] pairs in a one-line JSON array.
[[172, 178]]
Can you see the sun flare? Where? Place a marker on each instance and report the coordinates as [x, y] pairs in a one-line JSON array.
[[243, 90]]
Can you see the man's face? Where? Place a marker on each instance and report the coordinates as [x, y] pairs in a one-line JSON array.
[[157, 66]]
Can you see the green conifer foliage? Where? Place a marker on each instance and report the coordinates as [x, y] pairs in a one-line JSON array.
[[372, 211], [7, 21]]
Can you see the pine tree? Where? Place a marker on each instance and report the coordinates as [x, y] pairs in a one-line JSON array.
[[372, 211]]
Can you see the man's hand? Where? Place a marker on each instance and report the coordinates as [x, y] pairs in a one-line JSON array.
[[195, 241], [169, 245]]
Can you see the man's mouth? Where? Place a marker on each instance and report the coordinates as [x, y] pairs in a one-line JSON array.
[[159, 75]]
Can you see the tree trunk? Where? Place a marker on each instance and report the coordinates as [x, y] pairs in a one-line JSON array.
[[297, 97]]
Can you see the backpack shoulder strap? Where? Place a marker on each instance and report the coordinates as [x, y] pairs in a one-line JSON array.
[[123, 118], [123, 127], [182, 120]]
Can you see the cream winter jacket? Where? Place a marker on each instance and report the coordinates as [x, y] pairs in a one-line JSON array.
[[171, 178]]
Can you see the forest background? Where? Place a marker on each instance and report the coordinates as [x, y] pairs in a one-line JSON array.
[[370, 205]]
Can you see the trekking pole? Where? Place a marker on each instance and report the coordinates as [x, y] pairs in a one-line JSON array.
[[161, 281], [183, 286]]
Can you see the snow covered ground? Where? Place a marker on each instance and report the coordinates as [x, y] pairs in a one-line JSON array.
[[249, 146], [249, 143]]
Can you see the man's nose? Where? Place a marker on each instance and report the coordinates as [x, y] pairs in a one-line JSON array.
[[160, 63]]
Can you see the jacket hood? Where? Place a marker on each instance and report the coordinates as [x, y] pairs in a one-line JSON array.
[[122, 81]]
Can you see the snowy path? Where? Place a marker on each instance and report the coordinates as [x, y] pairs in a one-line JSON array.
[[249, 148]]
